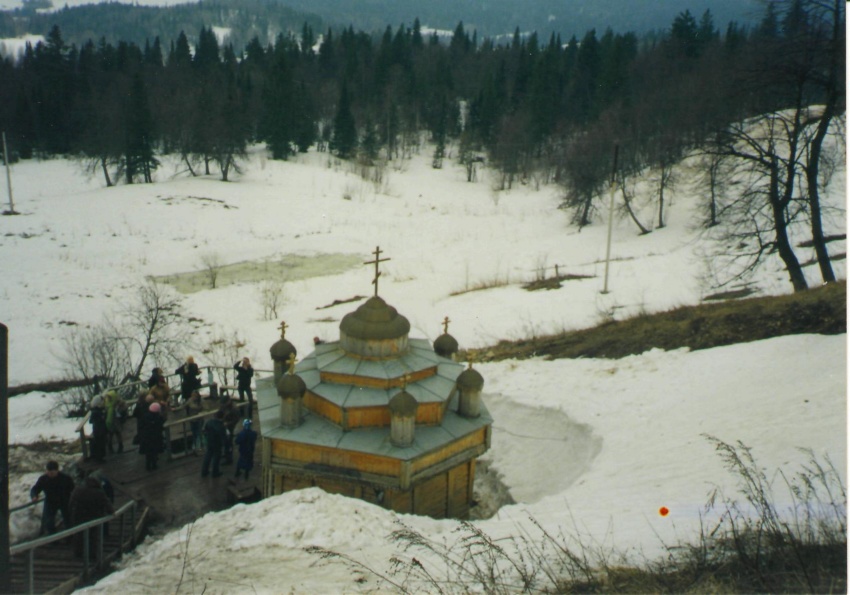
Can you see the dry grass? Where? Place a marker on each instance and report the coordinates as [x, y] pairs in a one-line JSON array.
[[821, 310]]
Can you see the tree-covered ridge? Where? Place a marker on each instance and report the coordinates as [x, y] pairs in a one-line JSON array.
[[132, 23], [540, 111]]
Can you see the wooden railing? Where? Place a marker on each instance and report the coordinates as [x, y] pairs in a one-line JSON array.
[[136, 524], [130, 390]]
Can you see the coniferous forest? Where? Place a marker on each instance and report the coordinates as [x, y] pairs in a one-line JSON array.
[[536, 110]]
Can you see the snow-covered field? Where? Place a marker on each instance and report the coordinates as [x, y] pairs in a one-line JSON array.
[[611, 441]]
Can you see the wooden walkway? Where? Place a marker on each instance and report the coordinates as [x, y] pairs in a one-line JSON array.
[[56, 567], [175, 492], [170, 496]]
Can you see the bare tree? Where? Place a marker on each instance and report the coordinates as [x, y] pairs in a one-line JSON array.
[[212, 264], [153, 326], [626, 185], [148, 326], [96, 354], [271, 298], [779, 153], [821, 51], [223, 351]]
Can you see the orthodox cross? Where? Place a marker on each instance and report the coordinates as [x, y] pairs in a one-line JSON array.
[[283, 326], [291, 362], [377, 260], [446, 322], [470, 357], [405, 380]]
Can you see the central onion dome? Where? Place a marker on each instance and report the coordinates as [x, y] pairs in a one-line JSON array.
[[375, 329]]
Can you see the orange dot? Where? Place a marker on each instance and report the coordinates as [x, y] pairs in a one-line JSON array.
[[663, 511]]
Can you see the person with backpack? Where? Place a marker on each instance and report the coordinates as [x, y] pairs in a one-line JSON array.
[[215, 436], [246, 442]]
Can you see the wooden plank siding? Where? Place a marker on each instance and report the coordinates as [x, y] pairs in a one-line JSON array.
[[284, 452], [429, 498], [380, 383], [447, 495], [378, 416], [323, 408], [478, 438], [458, 493]]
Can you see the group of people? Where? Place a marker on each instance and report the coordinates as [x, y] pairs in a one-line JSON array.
[[92, 499], [153, 407], [219, 436]]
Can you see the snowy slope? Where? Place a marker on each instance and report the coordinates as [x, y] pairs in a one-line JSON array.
[[613, 440]]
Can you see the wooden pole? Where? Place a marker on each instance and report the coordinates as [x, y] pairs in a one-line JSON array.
[[611, 217], [8, 176], [5, 537]]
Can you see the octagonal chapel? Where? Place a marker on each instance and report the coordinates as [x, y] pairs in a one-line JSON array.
[[375, 415]]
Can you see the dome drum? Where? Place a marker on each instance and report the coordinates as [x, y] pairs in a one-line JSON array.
[[373, 348]]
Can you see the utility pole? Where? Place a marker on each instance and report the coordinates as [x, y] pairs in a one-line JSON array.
[[611, 216], [5, 538], [11, 210]]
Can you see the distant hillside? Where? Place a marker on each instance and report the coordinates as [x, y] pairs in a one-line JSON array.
[[497, 17], [136, 22], [118, 21]]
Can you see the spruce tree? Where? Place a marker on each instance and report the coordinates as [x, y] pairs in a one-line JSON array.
[[344, 139]]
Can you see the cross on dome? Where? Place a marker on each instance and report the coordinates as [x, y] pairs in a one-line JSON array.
[[291, 363], [377, 260], [283, 326], [446, 322]]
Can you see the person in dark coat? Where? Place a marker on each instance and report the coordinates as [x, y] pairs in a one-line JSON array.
[[57, 488], [244, 374], [88, 502], [155, 378], [230, 419], [99, 429], [190, 377], [215, 435], [142, 404], [151, 442], [246, 441]]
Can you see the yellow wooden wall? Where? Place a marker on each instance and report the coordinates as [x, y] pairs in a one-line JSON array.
[[447, 495]]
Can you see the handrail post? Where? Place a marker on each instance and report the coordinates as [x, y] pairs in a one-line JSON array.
[[133, 525], [121, 535], [86, 545], [31, 571], [168, 442], [99, 557]]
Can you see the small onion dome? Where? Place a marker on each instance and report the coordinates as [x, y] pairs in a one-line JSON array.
[[445, 345], [403, 404], [291, 387], [282, 350], [470, 379], [375, 320]]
